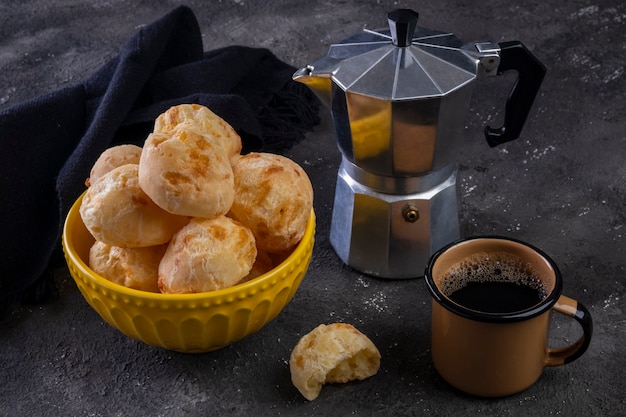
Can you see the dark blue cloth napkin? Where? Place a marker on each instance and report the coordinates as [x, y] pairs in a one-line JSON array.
[[48, 145]]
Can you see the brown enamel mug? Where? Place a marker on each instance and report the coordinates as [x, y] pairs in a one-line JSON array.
[[491, 339]]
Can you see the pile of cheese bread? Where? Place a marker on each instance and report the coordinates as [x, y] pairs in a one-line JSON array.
[[187, 213]]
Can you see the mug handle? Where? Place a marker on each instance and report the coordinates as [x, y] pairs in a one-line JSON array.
[[567, 354]]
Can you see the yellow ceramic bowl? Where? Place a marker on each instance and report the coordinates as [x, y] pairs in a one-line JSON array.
[[185, 322]]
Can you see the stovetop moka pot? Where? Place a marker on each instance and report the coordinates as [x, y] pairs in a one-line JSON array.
[[398, 99]]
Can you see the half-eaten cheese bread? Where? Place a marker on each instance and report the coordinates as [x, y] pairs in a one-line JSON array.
[[333, 353]]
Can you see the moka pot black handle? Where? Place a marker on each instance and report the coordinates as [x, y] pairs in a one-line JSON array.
[[515, 56]]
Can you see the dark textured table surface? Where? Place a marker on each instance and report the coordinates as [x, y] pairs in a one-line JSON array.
[[560, 186]]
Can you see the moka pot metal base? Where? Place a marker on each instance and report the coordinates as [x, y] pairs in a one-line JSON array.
[[389, 226]]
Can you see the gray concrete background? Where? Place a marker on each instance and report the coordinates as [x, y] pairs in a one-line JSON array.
[[560, 186]]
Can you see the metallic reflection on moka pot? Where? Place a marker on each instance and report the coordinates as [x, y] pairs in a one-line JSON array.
[[398, 98]]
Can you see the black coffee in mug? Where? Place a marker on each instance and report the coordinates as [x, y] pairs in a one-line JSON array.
[[493, 341], [493, 283]]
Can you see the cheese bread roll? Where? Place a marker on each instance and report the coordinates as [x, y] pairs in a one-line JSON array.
[[334, 353], [116, 211], [113, 157], [187, 173], [135, 268], [204, 121], [274, 198], [207, 255]]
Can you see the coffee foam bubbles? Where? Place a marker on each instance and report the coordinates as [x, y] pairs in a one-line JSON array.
[[491, 267]]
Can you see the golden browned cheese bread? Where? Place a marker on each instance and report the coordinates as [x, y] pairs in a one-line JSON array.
[[113, 157], [334, 353], [187, 173], [274, 198], [135, 268], [116, 211], [207, 255], [203, 120]]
